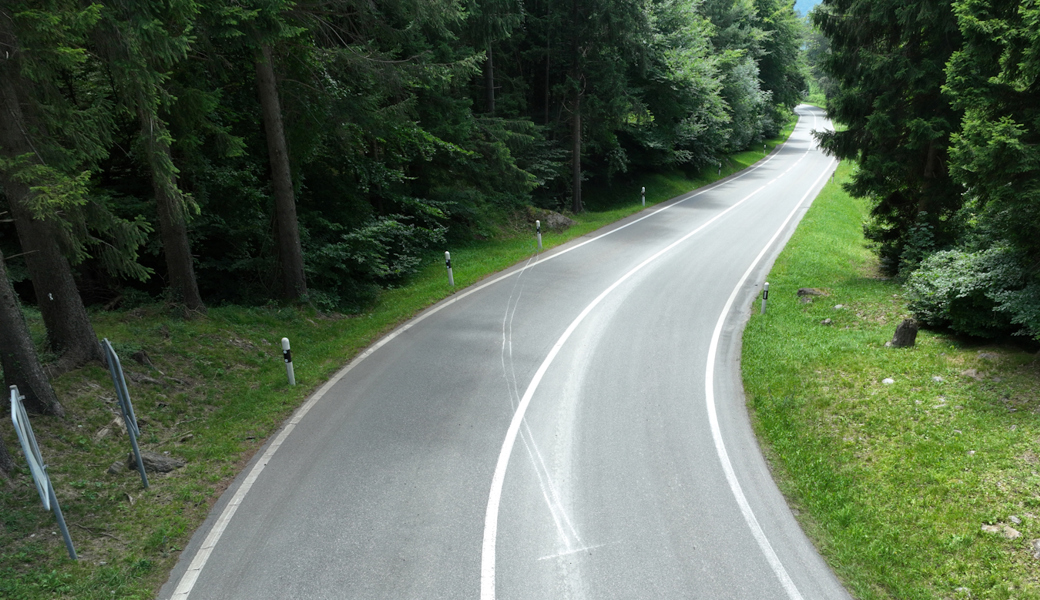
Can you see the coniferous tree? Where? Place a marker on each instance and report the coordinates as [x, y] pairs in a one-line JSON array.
[[142, 42], [32, 174], [888, 59]]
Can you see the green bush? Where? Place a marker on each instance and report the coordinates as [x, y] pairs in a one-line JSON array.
[[987, 293]]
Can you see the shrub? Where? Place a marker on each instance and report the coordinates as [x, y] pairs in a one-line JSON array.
[[986, 293]]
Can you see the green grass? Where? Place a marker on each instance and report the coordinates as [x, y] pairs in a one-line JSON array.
[[894, 482], [214, 390]]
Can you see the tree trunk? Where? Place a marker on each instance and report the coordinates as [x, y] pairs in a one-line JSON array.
[[489, 80], [18, 355], [576, 154], [69, 332], [287, 234], [173, 228]]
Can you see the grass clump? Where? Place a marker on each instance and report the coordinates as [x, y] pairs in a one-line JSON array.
[[915, 470]]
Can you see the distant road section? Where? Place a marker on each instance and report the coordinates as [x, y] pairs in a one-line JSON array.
[[572, 428]]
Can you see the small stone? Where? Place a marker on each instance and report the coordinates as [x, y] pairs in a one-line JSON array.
[[839, 306], [971, 453], [811, 292], [805, 299], [989, 355], [1014, 519], [937, 379], [1035, 546], [888, 381], [826, 322], [973, 373], [116, 468], [1010, 532], [991, 528]]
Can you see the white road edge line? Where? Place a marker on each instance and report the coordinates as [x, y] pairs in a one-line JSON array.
[[716, 432], [191, 575], [487, 558]]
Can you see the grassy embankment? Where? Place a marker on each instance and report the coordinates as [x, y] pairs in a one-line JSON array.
[[925, 487], [213, 389]]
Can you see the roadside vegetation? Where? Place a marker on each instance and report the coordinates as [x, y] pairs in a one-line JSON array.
[[916, 471], [209, 390]]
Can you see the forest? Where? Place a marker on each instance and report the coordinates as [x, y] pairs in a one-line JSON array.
[[200, 153], [938, 104]]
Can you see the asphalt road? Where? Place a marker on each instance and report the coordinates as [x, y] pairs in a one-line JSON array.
[[573, 428]]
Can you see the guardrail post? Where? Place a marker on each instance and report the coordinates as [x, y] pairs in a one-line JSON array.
[[287, 357], [115, 369], [643, 192], [36, 467], [447, 263], [538, 231], [765, 296]]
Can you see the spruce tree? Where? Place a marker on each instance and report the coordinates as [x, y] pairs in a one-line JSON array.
[[888, 59], [37, 171]]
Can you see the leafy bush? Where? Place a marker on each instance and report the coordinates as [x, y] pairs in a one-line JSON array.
[[347, 270], [986, 293]]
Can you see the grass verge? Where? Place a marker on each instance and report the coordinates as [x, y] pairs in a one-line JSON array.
[[914, 470], [209, 390]]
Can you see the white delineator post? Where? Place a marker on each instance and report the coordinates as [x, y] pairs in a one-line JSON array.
[[287, 356], [644, 196], [538, 231], [765, 296], [447, 263]]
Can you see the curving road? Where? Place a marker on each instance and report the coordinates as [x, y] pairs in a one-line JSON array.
[[573, 428]]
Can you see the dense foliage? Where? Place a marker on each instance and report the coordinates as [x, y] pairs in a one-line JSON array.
[[218, 151], [940, 102]]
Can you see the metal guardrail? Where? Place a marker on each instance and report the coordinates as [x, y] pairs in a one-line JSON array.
[[115, 368], [36, 466]]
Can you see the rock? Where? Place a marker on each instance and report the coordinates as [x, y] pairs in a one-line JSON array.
[[906, 334], [973, 373], [826, 322], [1035, 547], [839, 306], [559, 222], [141, 357], [989, 356], [1008, 532], [937, 379], [549, 219], [1015, 520], [888, 381], [116, 468], [156, 463], [811, 292], [805, 299]]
